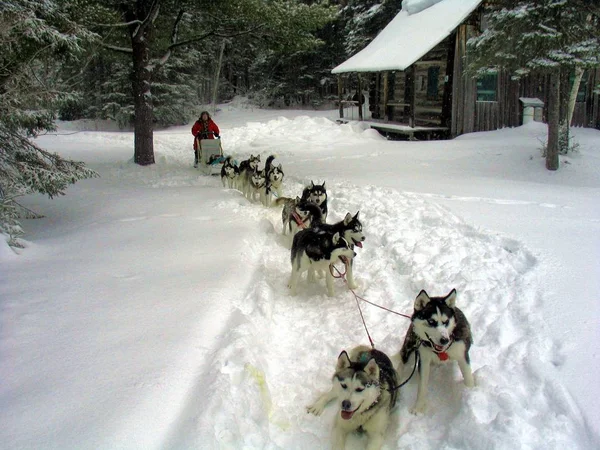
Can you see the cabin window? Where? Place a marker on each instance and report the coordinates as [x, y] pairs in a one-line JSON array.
[[433, 74], [487, 88]]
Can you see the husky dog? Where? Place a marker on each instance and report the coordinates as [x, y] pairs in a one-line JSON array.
[[256, 188], [439, 332], [364, 386], [317, 194], [247, 168], [230, 173], [298, 214], [274, 176], [351, 229], [314, 250]]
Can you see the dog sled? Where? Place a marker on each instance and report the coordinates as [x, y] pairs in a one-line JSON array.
[[210, 153]]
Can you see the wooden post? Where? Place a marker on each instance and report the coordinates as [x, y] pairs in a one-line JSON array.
[[410, 95], [340, 90], [386, 94], [360, 102]]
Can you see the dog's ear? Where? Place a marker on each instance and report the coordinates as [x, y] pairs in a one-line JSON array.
[[451, 298], [372, 369], [312, 184], [343, 361], [356, 216], [279, 166], [347, 219], [336, 238], [323, 185], [421, 300]]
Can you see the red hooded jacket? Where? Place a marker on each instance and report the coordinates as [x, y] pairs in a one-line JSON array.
[[207, 130]]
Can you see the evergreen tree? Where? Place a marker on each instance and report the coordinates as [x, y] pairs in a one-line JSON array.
[[547, 36], [156, 32], [35, 37]]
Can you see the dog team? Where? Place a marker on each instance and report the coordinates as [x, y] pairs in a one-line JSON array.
[[365, 383]]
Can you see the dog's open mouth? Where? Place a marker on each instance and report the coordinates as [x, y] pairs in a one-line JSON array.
[[347, 415], [357, 243], [436, 347]]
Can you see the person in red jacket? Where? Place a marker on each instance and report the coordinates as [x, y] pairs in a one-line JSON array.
[[204, 128]]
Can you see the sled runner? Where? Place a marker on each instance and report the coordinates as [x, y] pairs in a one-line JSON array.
[[211, 156]]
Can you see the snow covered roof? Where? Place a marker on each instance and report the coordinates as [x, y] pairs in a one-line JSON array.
[[409, 36]]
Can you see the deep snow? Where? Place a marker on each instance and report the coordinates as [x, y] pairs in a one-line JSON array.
[[149, 308]]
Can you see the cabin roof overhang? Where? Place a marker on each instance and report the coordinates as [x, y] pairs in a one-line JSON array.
[[407, 38]]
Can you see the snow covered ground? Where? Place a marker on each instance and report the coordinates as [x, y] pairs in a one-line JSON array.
[[149, 308]]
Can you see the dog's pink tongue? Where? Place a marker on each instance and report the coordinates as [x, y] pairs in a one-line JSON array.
[[359, 244], [347, 415]]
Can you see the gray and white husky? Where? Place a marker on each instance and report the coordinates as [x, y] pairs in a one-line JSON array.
[[314, 250], [317, 194], [230, 173], [439, 332], [247, 168], [364, 387], [274, 181], [351, 229], [256, 188], [298, 214]]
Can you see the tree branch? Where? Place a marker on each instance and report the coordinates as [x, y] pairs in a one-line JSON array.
[[152, 14], [128, 51], [174, 34], [117, 25]]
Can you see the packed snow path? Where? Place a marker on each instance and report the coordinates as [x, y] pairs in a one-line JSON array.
[[159, 315]]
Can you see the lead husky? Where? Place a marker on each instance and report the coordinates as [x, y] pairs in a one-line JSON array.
[[351, 229], [364, 386], [230, 173], [314, 250], [439, 332]]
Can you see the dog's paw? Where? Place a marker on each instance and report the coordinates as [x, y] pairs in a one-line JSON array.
[[316, 408], [419, 408]]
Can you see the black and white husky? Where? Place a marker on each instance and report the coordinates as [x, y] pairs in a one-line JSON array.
[[247, 168], [314, 250], [351, 229], [364, 388], [274, 181], [439, 332], [230, 173], [298, 214], [317, 194]]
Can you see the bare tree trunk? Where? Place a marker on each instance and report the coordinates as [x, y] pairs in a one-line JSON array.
[[574, 90], [216, 79], [553, 121], [143, 120]]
